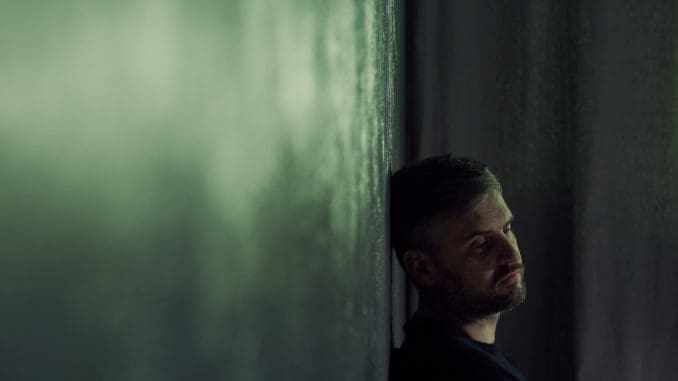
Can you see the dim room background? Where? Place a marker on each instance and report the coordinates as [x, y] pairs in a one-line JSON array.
[[574, 104]]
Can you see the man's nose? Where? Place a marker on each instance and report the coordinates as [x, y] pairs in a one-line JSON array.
[[509, 251]]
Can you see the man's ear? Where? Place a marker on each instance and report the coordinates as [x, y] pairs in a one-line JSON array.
[[420, 267]]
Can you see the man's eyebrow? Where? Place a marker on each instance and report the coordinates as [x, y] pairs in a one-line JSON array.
[[483, 232]]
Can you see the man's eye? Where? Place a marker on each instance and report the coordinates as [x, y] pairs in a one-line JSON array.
[[480, 244], [508, 228]]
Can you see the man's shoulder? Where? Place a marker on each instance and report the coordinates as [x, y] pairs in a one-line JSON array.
[[445, 358], [450, 362]]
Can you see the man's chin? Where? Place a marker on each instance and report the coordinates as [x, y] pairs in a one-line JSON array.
[[515, 297], [495, 300], [509, 296]]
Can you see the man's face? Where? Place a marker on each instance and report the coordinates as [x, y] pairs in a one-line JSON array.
[[480, 268]]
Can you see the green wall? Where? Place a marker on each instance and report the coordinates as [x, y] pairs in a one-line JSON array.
[[195, 190]]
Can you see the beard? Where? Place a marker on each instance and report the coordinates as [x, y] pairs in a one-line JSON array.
[[461, 301]]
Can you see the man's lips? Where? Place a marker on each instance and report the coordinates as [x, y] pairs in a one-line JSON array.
[[509, 278]]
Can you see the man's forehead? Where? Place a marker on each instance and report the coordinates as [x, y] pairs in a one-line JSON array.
[[490, 213], [491, 206]]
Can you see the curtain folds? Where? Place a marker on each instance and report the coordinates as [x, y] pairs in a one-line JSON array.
[[573, 104]]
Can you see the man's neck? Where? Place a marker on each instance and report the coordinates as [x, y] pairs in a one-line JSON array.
[[482, 330]]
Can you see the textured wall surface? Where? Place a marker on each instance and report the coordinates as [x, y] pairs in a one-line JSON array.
[[195, 190]]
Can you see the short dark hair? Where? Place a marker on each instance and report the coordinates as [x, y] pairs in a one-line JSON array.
[[431, 188]]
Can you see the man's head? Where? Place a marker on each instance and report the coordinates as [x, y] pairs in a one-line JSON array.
[[451, 231]]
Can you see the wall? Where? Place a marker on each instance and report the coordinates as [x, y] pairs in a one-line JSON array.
[[195, 190]]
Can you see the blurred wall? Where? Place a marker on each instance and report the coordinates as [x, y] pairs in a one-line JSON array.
[[195, 190]]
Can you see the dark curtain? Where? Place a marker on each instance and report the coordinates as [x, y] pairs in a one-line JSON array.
[[573, 104]]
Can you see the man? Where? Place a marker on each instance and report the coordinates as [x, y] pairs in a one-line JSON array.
[[451, 231]]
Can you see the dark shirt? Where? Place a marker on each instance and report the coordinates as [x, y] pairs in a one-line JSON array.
[[434, 350]]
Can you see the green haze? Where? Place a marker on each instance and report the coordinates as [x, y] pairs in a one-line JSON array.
[[194, 190]]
